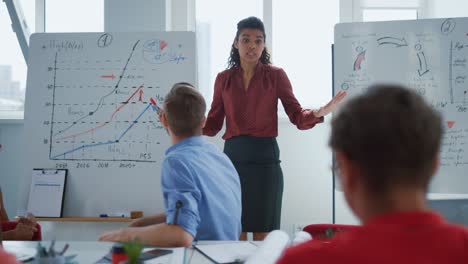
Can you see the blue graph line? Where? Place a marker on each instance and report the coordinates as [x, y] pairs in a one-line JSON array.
[[104, 143], [134, 122]]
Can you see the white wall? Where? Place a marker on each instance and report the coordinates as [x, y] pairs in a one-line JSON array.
[[306, 163], [11, 138]]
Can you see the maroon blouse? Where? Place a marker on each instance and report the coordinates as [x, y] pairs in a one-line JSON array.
[[255, 111]]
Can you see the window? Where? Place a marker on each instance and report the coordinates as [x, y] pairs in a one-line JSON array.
[[216, 29], [386, 10], [446, 8], [12, 64], [74, 16], [388, 14], [302, 38]]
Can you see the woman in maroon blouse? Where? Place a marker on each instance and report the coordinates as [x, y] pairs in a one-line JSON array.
[[247, 94]]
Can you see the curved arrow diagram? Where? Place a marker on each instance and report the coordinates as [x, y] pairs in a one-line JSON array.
[[359, 59], [422, 64], [392, 41]]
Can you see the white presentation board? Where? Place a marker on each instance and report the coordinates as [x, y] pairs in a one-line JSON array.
[[429, 56], [90, 108]]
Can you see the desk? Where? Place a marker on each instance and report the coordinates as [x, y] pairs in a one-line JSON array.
[[91, 251], [79, 228], [88, 252], [83, 219]]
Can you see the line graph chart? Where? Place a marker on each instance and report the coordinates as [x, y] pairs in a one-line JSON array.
[[103, 99], [76, 138]]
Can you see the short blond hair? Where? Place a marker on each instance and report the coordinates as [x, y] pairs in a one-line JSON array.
[[185, 110]]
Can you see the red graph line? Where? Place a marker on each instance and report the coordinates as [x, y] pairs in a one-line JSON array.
[[105, 123]]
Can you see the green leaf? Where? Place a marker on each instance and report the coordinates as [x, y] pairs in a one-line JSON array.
[[133, 250]]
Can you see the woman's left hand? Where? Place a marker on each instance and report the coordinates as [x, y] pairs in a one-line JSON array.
[[331, 106]]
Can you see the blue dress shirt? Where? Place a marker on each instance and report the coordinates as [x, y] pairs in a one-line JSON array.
[[201, 190]]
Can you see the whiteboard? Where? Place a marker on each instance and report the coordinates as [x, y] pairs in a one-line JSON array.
[[91, 108], [429, 56]]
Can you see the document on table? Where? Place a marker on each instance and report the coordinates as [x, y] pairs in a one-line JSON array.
[[22, 254], [227, 252]]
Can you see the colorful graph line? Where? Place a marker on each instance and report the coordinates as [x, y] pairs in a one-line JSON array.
[[106, 122], [63, 155]]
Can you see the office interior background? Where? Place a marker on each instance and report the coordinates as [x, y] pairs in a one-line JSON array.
[[299, 36]]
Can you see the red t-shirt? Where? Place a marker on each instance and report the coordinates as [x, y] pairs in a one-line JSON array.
[[255, 111], [413, 238]]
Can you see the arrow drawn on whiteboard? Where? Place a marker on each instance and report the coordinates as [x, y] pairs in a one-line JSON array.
[[392, 41], [359, 59], [422, 64]]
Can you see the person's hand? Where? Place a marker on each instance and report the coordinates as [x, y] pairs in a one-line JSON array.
[[28, 220], [136, 223], [160, 113], [116, 236], [330, 106], [23, 232]]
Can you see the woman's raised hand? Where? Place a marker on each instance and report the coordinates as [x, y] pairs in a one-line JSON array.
[[330, 106]]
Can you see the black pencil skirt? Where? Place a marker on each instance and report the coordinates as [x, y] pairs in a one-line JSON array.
[[258, 164]]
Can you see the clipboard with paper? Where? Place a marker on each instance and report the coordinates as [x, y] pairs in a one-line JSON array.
[[47, 192]]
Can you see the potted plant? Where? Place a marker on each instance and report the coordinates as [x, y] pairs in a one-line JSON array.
[[133, 250]]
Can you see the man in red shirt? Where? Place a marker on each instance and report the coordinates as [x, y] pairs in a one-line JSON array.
[[387, 145], [25, 228]]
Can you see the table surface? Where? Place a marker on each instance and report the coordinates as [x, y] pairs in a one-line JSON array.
[[83, 219], [92, 251]]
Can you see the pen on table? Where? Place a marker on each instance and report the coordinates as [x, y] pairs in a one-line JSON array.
[[39, 249], [44, 252], [51, 248], [64, 249]]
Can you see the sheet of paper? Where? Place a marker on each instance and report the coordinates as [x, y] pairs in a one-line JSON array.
[[46, 192], [227, 252], [22, 254]]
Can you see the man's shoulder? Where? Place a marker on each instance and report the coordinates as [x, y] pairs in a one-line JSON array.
[[455, 232], [191, 152]]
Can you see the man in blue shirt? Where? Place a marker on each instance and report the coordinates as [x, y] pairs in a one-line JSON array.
[[201, 188]]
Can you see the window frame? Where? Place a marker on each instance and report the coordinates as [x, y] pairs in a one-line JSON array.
[[352, 10]]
